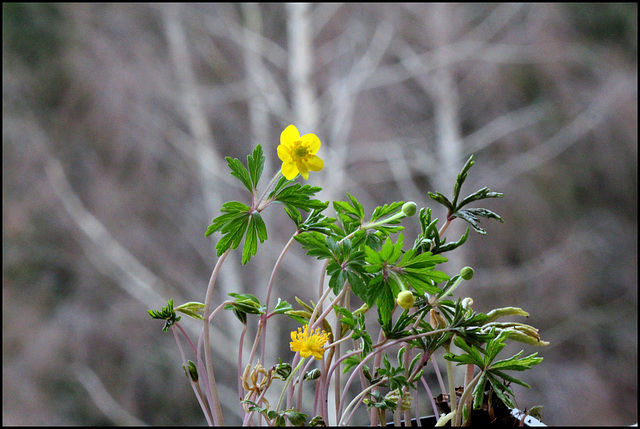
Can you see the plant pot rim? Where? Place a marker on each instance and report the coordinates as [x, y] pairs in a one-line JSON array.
[[430, 421]]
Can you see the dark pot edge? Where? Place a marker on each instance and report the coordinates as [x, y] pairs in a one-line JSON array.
[[430, 421]]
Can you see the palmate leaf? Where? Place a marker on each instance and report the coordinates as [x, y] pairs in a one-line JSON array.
[[238, 219], [455, 209], [315, 243], [294, 195], [492, 370], [352, 217], [391, 267], [249, 177]]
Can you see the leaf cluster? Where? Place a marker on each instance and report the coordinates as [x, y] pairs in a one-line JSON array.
[[167, 314], [240, 221], [456, 209], [492, 369], [279, 418], [381, 223], [394, 270]]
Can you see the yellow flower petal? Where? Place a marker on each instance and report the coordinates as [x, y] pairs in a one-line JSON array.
[[289, 170], [313, 141], [298, 154], [284, 153], [289, 136], [309, 343], [314, 163], [302, 168]]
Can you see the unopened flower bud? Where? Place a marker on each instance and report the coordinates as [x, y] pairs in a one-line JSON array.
[[314, 374], [466, 273], [409, 208], [467, 303], [405, 299]]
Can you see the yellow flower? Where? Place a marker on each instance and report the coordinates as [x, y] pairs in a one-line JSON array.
[[308, 343], [298, 154]]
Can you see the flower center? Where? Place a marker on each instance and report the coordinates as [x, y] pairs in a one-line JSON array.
[[300, 150]]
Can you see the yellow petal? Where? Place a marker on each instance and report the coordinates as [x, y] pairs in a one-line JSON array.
[[313, 141], [289, 170], [314, 163], [284, 153], [302, 168], [289, 135]]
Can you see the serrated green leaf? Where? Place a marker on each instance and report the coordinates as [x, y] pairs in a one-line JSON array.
[[256, 230], [462, 176], [441, 248], [480, 194], [478, 391], [439, 198], [282, 307], [385, 303], [386, 210], [294, 195], [515, 364], [501, 391], [255, 163], [315, 244], [296, 418], [472, 217], [239, 171], [358, 209]]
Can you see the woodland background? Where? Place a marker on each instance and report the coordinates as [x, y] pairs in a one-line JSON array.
[[117, 118]]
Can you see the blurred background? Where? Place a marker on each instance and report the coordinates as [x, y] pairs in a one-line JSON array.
[[117, 119]]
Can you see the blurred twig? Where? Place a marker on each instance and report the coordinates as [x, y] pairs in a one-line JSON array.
[[103, 399]]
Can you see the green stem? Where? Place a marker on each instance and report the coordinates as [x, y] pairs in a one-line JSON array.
[[261, 204], [284, 389], [451, 381], [468, 391]]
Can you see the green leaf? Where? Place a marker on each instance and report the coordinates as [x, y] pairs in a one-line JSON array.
[[250, 177], [191, 309], [296, 418], [478, 391], [386, 302], [386, 210], [293, 195], [462, 176], [245, 303], [472, 217], [480, 194], [239, 171], [256, 230], [515, 364], [282, 307], [315, 244], [167, 314], [501, 390], [238, 219], [452, 245], [439, 198], [315, 221], [256, 165]]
